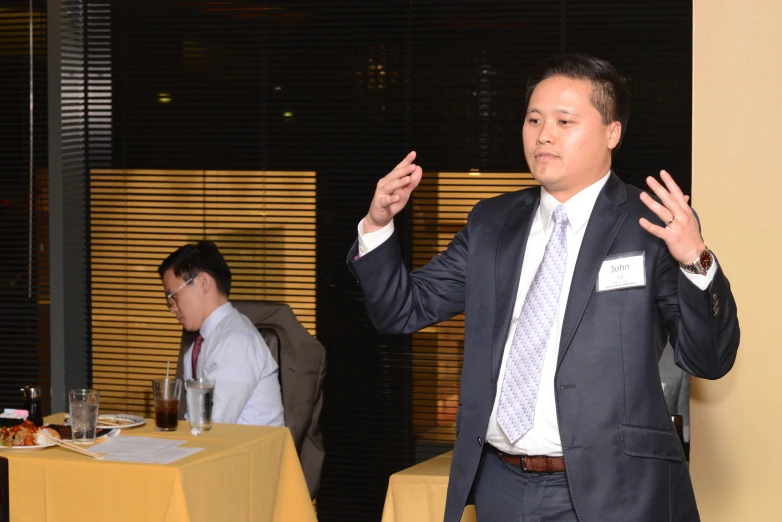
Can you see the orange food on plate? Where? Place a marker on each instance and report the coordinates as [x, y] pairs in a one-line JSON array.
[[23, 435]]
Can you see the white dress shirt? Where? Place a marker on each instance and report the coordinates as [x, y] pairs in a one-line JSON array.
[[235, 356], [543, 438]]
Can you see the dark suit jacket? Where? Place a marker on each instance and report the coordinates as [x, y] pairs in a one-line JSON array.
[[302, 361], [624, 460]]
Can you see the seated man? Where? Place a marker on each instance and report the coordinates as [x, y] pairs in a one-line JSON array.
[[228, 350]]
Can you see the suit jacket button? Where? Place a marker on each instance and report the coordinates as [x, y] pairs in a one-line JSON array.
[[480, 442]]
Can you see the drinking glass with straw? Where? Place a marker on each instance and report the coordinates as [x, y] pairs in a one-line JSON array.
[[166, 393]]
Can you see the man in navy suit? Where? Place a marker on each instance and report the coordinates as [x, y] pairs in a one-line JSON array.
[[565, 288]]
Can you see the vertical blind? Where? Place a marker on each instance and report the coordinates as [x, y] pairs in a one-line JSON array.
[[24, 260]]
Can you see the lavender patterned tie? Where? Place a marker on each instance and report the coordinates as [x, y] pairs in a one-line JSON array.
[[519, 392]]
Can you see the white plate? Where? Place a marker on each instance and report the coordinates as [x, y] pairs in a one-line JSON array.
[[27, 448], [132, 421]]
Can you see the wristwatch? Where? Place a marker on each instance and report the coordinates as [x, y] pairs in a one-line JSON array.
[[701, 264]]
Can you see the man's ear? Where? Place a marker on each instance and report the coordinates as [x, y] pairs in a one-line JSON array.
[[614, 134], [206, 282]]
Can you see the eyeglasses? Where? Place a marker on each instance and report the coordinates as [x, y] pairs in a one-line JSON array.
[[170, 300]]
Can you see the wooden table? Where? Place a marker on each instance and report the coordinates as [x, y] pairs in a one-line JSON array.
[[244, 473]]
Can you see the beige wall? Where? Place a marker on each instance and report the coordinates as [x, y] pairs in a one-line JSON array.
[[737, 189]]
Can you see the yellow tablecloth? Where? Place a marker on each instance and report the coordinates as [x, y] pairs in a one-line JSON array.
[[417, 494], [247, 473]]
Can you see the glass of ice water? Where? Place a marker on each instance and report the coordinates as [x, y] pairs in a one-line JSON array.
[[200, 395], [84, 415]]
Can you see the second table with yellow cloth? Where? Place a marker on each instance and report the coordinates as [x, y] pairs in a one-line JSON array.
[[244, 473], [417, 494]]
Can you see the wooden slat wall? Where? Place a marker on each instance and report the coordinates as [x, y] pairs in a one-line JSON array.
[[263, 222], [440, 207]]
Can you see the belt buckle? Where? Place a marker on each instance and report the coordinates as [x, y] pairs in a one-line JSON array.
[[521, 463]]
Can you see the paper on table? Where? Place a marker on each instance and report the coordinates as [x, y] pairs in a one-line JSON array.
[[149, 450], [164, 457], [142, 446]]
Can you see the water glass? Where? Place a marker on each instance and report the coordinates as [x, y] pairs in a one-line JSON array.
[[84, 415], [167, 392], [200, 395]]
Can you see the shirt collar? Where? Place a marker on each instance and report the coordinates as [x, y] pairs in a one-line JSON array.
[[211, 322], [578, 208]]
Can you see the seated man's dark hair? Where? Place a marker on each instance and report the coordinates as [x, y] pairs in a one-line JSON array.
[[190, 260]]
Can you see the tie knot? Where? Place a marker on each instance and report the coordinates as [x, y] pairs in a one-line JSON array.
[[199, 341], [560, 216]]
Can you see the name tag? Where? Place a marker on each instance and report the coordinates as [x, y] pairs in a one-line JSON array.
[[622, 271]]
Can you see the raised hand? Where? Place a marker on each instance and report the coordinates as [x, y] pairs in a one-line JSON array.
[[681, 232], [392, 194]]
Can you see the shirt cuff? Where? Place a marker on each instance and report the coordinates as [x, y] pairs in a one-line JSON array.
[[368, 242], [702, 281]]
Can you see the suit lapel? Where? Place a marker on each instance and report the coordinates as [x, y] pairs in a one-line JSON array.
[[510, 255], [604, 224]]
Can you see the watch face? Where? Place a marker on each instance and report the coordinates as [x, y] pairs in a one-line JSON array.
[[705, 260]]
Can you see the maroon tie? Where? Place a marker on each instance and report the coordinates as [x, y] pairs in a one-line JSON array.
[[196, 351]]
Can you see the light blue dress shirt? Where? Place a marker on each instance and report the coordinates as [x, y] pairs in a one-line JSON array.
[[235, 356]]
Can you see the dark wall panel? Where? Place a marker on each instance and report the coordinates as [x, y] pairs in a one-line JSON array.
[[24, 268]]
